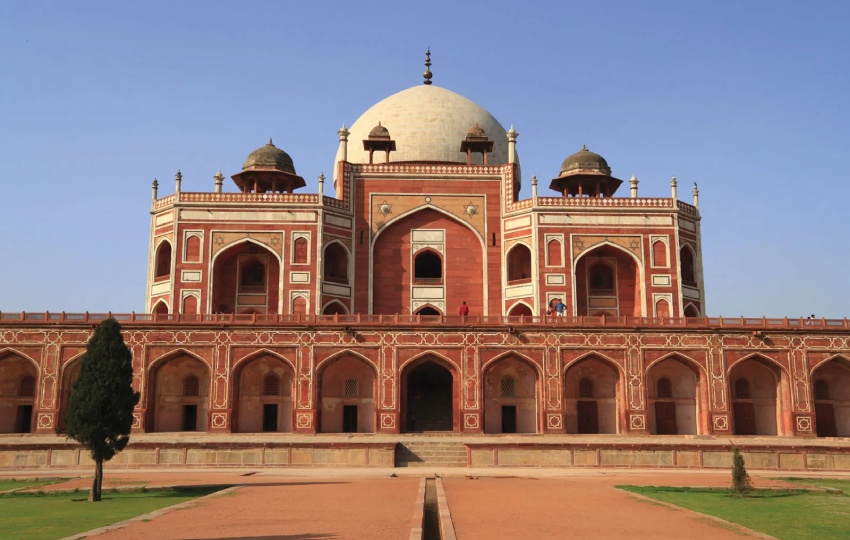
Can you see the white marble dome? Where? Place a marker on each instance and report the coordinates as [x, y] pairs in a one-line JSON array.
[[427, 123]]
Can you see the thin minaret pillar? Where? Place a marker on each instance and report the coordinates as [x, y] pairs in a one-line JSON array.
[[696, 196], [673, 184], [154, 188], [219, 180], [512, 136], [633, 186]]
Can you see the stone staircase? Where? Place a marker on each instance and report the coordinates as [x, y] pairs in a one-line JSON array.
[[430, 454]]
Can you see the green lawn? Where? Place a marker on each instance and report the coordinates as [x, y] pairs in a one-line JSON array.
[[29, 483], [843, 485], [57, 515], [786, 514]]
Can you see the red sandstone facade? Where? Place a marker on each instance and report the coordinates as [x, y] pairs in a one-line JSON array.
[[275, 311]]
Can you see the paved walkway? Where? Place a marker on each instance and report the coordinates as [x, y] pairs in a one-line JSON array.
[[368, 503]]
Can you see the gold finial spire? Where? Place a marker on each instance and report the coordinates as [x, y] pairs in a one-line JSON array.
[[427, 73]]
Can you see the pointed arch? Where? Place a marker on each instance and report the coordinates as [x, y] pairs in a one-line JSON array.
[[336, 262], [763, 359], [418, 358], [248, 240], [176, 353], [518, 409], [162, 259], [259, 353], [688, 265], [691, 310], [428, 307], [338, 410], [160, 307], [168, 408], [430, 393], [334, 307], [518, 262], [424, 208], [519, 356], [629, 281], [322, 364], [11, 351], [684, 358], [192, 249], [595, 354], [554, 252], [520, 308], [427, 266], [840, 358]]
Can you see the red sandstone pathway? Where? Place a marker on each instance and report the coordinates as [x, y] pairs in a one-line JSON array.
[[303, 508], [322, 506], [576, 508]]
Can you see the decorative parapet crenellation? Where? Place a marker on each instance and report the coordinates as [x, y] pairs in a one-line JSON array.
[[261, 198]]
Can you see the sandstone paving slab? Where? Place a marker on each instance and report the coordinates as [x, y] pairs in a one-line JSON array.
[[578, 507], [309, 508]]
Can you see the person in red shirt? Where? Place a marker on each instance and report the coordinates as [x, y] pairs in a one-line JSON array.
[[464, 309]]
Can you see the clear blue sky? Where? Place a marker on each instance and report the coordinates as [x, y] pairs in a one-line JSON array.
[[749, 99]]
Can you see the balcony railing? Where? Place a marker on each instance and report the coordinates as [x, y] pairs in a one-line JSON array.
[[359, 319]]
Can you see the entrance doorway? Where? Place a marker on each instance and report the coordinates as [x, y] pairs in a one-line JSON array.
[[665, 418], [825, 420], [508, 418], [190, 418], [23, 422], [349, 418], [270, 417], [429, 398], [745, 418], [588, 417]]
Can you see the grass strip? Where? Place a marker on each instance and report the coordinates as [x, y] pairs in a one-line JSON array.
[[785, 514], [57, 515], [27, 483]]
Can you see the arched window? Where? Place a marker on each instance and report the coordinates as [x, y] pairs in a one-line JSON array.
[[686, 260], [691, 311], [428, 310], [299, 305], [26, 386], [659, 253], [822, 390], [336, 264], [161, 308], [252, 276], [507, 387], [162, 263], [334, 308], [191, 386], [190, 305], [427, 267], [271, 385], [553, 253], [519, 263], [742, 389], [299, 251], [664, 388], [662, 308], [193, 248], [585, 388], [350, 388], [601, 279]]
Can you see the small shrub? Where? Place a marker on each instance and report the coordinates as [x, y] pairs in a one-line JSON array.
[[741, 483]]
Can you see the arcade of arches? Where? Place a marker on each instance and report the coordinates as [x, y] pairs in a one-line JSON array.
[[592, 393]]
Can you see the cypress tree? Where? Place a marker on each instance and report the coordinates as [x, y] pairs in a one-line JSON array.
[[741, 483], [100, 412]]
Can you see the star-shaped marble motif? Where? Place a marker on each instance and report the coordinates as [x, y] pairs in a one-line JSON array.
[[470, 209], [219, 241], [385, 208], [634, 244], [579, 245]]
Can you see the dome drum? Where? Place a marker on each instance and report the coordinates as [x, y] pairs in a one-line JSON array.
[[268, 169], [585, 173]]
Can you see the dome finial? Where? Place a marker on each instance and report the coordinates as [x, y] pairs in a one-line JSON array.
[[270, 142], [427, 73]]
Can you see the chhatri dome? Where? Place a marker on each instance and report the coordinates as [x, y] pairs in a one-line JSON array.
[[428, 123]]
